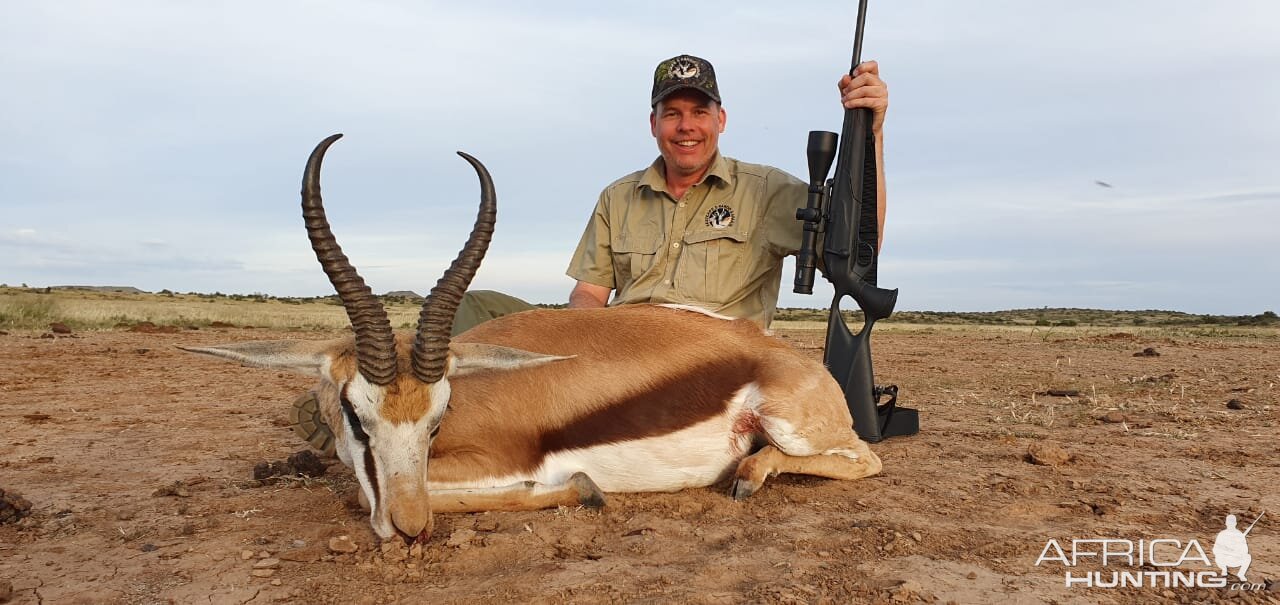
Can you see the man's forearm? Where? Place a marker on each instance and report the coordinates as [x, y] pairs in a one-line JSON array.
[[588, 296]]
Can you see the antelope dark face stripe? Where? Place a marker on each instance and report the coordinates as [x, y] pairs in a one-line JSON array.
[[370, 467], [354, 421]]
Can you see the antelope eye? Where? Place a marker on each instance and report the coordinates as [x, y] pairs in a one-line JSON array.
[[349, 411]]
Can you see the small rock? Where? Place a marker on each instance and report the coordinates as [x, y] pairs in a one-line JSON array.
[[6, 591], [262, 554], [343, 545], [973, 575], [245, 555], [13, 507], [415, 551], [59, 328], [1147, 352], [262, 573], [187, 529], [1114, 418], [1168, 594], [299, 543], [1045, 454], [276, 582], [303, 555], [267, 564], [1235, 404], [393, 551], [460, 537], [915, 535], [487, 524], [149, 547], [824, 554]]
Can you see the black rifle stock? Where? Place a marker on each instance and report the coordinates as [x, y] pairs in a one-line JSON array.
[[843, 213]]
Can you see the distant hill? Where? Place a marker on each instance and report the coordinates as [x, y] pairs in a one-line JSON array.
[[403, 294], [116, 289]]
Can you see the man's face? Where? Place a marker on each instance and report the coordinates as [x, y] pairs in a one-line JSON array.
[[687, 126]]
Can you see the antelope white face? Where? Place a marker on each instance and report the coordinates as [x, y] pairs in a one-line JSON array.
[[386, 443]]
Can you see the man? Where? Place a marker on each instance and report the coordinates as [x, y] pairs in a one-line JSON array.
[[694, 227]]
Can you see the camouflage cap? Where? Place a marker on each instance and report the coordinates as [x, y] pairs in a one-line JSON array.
[[684, 71]]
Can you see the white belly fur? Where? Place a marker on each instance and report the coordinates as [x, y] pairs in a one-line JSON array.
[[695, 456]]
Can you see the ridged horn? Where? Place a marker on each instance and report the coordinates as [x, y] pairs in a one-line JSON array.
[[375, 342], [431, 345]]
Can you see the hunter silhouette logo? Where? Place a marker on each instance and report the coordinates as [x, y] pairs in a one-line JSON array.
[[720, 217], [1231, 548], [683, 68], [1163, 562]]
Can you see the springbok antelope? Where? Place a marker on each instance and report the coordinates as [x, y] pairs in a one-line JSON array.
[[552, 407]]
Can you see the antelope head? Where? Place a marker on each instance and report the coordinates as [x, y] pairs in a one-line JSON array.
[[393, 392]]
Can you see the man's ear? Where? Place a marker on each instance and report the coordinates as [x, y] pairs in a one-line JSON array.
[[301, 356], [653, 123], [723, 118], [469, 357]]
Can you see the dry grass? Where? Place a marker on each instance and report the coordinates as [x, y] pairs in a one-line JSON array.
[[35, 309], [83, 310]]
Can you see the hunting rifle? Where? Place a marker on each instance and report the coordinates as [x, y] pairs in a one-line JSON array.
[[844, 210]]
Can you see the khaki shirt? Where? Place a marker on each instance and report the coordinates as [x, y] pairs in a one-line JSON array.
[[719, 247]]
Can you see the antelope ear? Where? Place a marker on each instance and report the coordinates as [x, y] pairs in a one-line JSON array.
[[301, 356], [470, 357]]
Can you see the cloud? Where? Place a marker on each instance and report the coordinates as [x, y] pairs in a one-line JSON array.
[[156, 137]]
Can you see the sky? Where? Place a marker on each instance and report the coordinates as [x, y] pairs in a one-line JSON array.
[[160, 144]]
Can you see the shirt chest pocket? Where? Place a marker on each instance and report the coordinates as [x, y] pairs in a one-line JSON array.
[[714, 265], [633, 256]]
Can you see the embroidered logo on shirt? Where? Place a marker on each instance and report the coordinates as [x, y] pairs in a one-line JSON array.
[[720, 217]]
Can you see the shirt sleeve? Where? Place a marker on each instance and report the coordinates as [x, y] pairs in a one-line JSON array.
[[592, 261], [785, 194]]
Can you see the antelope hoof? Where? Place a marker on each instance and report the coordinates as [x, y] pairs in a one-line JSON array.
[[589, 495], [742, 489]]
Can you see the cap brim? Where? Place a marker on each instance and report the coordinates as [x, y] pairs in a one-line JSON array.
[[674, 89]]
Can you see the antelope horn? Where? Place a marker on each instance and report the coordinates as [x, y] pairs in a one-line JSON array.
[[375, 343], [435, 323]]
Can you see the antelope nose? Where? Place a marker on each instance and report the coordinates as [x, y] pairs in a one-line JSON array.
[[411, 517]]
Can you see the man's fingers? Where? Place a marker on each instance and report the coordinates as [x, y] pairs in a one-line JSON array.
[[877, 104], [867, 67], [848, 84]]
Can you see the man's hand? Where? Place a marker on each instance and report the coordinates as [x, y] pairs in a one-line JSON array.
[[588, 296], [866, 89]]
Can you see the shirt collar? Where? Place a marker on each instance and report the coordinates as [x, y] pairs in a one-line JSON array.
[[654, 176]]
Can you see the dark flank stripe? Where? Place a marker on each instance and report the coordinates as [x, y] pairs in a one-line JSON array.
[[682, 400]]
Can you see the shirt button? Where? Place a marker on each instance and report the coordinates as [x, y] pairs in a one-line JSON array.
[[682, 204], [675, 245]]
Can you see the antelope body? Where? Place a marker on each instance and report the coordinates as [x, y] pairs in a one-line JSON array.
[[552, 407]]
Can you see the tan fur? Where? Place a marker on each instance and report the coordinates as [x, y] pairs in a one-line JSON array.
[[621, 377]]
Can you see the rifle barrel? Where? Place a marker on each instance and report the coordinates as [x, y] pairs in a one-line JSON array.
[[1255, 522], [857, 36]]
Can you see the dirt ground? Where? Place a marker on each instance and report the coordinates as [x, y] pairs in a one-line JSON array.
[[137, 462]]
